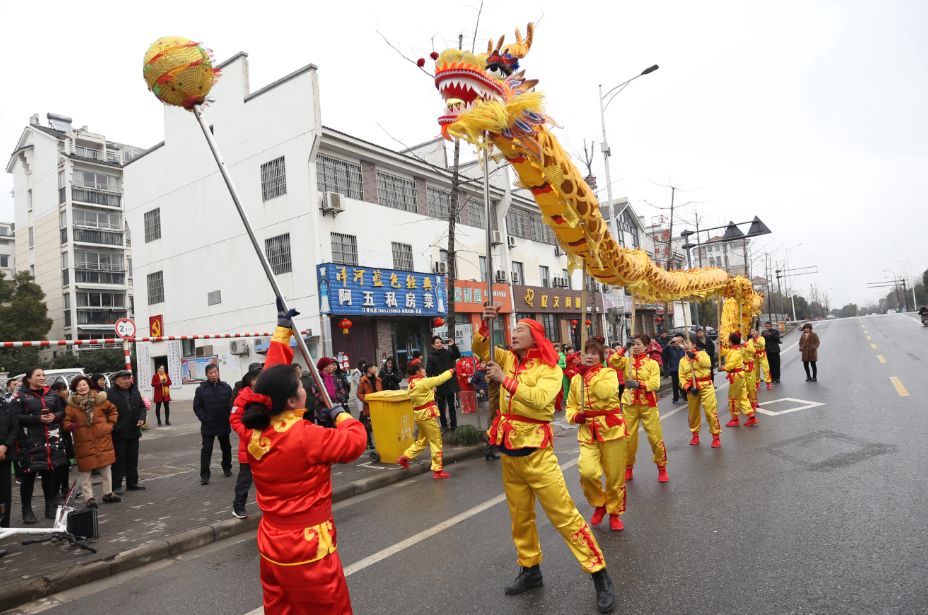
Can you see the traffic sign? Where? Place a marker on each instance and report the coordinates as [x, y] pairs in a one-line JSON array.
[[125, 328]]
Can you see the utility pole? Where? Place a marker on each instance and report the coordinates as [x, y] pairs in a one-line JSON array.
[[453, 208]]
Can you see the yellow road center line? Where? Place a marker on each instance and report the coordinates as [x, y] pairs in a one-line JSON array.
[[899, 388], [881, 358], [873, 346], [869, 338]]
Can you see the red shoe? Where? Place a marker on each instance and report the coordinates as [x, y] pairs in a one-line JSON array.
[[695, 440], [403, 462], [440, 474], [662, 476], [751, 421], [734, 422], [598, 515], [769, 386], [628, 475], [615, 523], [716, 443]]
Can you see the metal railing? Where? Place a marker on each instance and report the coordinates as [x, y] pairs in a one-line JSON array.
[[95, 196], [88, 152], [115, 267], [108, 238]]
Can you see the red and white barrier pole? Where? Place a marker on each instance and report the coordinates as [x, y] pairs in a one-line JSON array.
[[116, 340]]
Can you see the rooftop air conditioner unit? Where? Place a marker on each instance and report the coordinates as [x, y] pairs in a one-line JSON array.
[[496, 238], [501, 276], [332, 203], [238, 347], [510, 241], [439, 267]]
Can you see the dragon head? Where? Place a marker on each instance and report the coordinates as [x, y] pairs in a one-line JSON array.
[[474, 84]]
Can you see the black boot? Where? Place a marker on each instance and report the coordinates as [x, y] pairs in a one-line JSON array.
[[28, 515], [605, 591], [50, 509], [527, 579]]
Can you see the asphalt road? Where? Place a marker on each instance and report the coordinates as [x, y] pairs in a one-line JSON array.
[[820, 509]]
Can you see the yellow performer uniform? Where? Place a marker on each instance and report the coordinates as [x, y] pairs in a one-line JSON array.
[[696, 383], [640, 408], [761, 365], [750, 373], [737, 394], [521, 431], [425, 413], [602, 437]]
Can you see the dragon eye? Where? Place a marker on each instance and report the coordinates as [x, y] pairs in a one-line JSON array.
[[495, 70]]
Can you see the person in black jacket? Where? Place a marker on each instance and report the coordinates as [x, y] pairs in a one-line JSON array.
[[39, 449], [772, 337], [390, 377], [127, 432], [212, 403], [441, 359], [9, 428], [709, 346]]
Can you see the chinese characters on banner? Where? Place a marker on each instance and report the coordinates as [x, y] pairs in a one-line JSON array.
[[471, 296], [347, 289]]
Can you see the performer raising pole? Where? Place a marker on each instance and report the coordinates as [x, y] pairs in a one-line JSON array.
[[530, 380]]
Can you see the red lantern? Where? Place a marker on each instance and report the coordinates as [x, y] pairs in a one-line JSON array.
[[345, 325], [438, 322], [573, 323], [589, 322]]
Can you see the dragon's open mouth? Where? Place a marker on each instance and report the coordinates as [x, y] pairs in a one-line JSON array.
[[461, 88]]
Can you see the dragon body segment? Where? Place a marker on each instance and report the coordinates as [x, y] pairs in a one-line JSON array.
[[490, 103]]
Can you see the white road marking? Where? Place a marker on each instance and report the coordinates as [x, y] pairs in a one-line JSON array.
[[432, 531], [804, 404]]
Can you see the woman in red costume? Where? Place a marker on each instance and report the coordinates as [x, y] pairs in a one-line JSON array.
[[291, 460]]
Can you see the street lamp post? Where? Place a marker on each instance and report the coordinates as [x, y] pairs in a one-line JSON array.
[[603, 103]]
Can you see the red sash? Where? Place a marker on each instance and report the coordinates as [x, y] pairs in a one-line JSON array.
[[507, 429]]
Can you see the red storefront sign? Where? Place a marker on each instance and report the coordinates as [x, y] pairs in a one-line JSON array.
[[469, 297]]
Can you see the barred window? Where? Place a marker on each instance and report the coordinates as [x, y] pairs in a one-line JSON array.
[[396, 192], [402, 256], [278, 253], [155, 287], [336, 175], [545, 275], [153, 224], [273, 179], [476, 212], [439, 203], [214, 297], [344, 249]]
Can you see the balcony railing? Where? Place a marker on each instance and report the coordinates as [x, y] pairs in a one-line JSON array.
[[108, 238], [99, 277], [88, 152], [95, 196], [99, 316], [117, 267]]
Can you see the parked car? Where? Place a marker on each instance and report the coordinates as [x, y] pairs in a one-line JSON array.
[[890, 311], [711, 332]]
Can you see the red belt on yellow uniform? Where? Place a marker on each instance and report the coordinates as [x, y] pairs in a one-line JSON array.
[[650, 398], [731, 375], [613, 419], [507, 429]]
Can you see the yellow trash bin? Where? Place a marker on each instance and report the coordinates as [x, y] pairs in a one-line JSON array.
[[393, 424]]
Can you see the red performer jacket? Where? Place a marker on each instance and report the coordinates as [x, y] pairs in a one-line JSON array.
[[291, 464]]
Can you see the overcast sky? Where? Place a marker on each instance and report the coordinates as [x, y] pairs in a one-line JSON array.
[[809, 114]]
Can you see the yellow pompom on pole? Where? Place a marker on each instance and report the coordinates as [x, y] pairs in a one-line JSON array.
[[180, 73]]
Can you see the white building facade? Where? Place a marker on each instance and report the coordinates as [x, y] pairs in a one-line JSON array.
[[354, 232], [70, 232]]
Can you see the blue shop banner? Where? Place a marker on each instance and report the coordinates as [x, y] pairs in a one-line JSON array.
[[350, 290]]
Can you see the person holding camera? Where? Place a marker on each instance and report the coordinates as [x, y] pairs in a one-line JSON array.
[[443, 357]]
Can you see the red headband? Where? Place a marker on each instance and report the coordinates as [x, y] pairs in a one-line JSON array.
[[545, 348]]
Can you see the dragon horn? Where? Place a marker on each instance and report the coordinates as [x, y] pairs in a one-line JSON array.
[[499, 45], [529, 35], [490, 46]]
